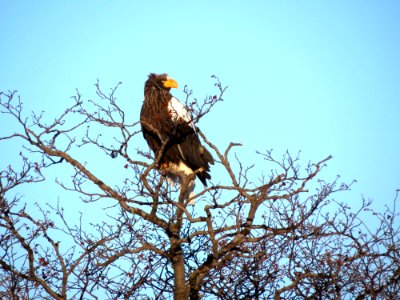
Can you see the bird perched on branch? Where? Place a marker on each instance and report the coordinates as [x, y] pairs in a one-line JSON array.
[[169, 130]]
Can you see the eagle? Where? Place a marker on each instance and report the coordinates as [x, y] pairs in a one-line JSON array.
[[169, 130]]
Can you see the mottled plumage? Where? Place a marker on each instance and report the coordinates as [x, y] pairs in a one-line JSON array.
[[164, 118]]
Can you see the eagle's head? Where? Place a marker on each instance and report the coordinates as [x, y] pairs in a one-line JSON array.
[[161, 82]]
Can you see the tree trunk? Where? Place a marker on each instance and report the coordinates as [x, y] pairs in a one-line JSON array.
[[180, 290]]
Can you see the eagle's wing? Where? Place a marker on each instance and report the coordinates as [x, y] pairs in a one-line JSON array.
[[179, 113]]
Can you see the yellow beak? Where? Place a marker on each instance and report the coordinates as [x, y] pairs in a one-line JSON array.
[[170, 83]]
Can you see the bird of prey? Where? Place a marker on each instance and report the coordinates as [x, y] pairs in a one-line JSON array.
[[169, 130]]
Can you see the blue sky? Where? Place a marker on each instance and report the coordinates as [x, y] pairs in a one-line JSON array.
[[318, 76]]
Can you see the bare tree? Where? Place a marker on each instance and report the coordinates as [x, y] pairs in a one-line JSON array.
[[275, 235]]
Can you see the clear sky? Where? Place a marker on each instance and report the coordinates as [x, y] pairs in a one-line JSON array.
[[318, 76]]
